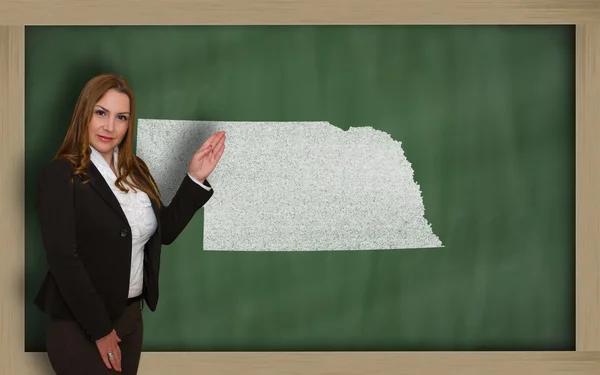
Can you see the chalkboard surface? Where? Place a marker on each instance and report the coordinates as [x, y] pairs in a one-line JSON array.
[[485, 114]]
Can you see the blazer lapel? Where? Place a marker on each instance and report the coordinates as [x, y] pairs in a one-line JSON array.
[[99, 184]]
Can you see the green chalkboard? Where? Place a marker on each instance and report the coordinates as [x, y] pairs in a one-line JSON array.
[[486, 116]]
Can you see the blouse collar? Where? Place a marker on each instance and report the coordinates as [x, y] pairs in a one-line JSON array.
[[97, 158]]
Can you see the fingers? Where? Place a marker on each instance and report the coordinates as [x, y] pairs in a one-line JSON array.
[[110, 352], [214, 145], [114, 357], [210, 139], [216, 138], [118, 353], [209, 144], [218, 151], [104, 356], [103, 349], [202, 152], [204, 146], [117, 361]]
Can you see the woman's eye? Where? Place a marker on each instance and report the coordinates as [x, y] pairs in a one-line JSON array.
[[99, 112], [123, 118]]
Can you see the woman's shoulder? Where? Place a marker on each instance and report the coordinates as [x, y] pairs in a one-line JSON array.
[[59, 168], [59, 164]]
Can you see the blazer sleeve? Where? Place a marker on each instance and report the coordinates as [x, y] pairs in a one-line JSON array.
[[56, 214], [188, 199]]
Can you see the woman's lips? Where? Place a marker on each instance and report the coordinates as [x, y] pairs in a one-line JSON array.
[[105, 139]]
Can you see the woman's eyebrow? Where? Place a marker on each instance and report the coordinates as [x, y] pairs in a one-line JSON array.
[[122, 113]]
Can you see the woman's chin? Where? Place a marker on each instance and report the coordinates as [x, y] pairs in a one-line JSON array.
[[103, 147]]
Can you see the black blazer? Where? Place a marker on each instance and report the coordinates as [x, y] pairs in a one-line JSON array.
[[88, 245]]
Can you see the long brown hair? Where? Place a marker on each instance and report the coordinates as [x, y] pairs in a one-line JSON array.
[[75, 147]]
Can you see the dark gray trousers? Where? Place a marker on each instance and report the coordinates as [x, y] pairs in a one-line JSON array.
[[72, 353]]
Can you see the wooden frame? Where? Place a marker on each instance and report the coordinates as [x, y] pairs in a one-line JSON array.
[[585, 14]]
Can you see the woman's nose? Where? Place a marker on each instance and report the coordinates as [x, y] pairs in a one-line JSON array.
[[110, 124]]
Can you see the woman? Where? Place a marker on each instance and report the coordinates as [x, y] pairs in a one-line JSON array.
[[103, 224]]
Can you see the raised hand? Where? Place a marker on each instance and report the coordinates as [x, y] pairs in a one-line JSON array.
[[109, 349], [206, 158]]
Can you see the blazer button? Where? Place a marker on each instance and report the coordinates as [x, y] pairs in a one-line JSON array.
[[124, 233]]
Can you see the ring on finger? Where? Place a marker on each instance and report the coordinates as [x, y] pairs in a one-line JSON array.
[[111, 356]]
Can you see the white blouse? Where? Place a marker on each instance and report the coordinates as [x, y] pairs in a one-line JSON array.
[[138, 209]]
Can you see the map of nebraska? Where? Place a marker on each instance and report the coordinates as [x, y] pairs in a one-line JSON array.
[[295, 186]]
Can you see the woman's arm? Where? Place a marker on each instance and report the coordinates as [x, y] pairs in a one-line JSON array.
[[56, 214], [190, 197]]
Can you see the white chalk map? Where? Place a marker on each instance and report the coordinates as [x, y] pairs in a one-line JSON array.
[[295, 186]]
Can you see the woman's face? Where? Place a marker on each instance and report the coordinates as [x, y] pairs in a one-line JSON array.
[[109, 122]]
